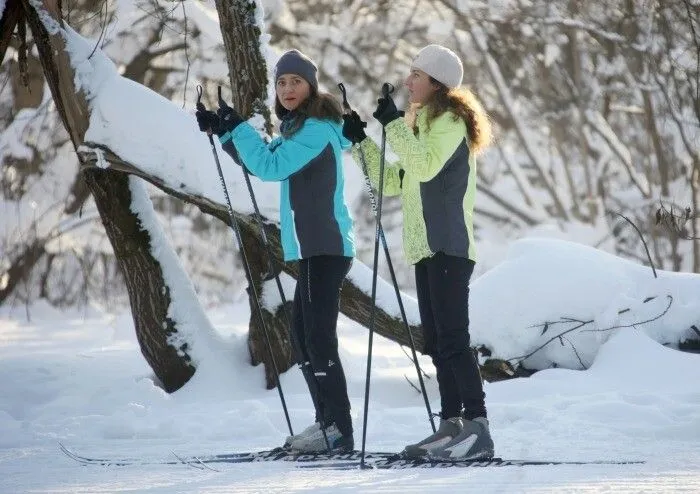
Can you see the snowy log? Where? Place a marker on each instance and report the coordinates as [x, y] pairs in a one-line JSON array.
[[355, 301]]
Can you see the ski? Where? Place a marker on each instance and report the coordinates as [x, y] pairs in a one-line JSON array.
[[397, 462], [276, 454], [338, 461]]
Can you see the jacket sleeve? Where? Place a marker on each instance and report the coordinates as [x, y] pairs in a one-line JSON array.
[[424, 158], [369, 150], [286, 159]]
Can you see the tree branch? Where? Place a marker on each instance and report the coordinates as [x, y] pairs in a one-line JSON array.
[[10, 17], [355, 303], [579, 324]]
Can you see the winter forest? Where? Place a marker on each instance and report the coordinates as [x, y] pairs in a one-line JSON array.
[[587, 217]]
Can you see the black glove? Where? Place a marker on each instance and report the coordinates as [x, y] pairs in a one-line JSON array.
[[354, 127], [229, 118], [386, 111], [209, 122]]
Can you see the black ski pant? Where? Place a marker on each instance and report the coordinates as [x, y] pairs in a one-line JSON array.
[[315, 314], [442, 285]]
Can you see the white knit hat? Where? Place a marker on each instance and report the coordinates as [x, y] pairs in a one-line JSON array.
[[441, 63]]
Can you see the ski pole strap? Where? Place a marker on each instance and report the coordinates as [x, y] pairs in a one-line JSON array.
[[387, 89], [200, 105], [344, 92]]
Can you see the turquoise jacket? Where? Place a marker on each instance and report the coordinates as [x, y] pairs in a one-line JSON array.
[[314, 216]]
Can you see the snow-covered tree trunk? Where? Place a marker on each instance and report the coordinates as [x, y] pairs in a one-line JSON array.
[[8, 20], [240, 22], [275, 323], [148, 293]]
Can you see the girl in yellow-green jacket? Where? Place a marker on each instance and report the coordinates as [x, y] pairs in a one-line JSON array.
[[435, 176]]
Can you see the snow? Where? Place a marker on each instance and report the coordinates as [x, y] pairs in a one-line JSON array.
[[361, 276], [123, 112], [268, 54], [35, 214], [270, 297], [547, 280], [551, 54], [78, 377], [193, 327]]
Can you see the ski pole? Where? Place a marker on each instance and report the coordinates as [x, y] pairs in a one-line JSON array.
[[387, 89], [246, 265], [373, 202], [305, 367]]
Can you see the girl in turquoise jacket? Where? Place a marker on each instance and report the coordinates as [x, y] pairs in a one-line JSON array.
[[316, 230]]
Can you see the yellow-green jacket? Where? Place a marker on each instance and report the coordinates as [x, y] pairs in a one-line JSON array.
[[437, 186]]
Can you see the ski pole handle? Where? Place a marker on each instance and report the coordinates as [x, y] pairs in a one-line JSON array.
[[201, 107], [387, 89], [221, 99]]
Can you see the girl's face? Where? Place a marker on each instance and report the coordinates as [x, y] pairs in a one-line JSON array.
[[292, 90], [419, 86]]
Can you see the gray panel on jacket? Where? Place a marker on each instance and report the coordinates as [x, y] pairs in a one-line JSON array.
[[443, 210], [311, 192]]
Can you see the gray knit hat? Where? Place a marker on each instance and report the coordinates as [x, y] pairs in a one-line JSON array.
[[295, 62], [441, 63]]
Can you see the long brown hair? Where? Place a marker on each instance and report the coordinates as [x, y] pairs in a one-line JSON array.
[[319, 105], [464, 105]]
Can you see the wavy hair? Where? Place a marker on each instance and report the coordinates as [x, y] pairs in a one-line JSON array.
[[465, 105]]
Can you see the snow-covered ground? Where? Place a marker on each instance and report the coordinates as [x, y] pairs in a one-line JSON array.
[[78, 377]]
